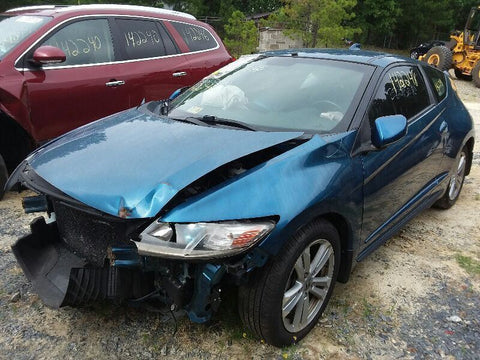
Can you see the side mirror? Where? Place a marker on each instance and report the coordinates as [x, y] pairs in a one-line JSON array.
[[47, 54], [388, 129]]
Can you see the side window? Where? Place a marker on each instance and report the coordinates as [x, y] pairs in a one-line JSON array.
[[438, 82], [196, 37], [401, 91], [84, 42], [141, 39]]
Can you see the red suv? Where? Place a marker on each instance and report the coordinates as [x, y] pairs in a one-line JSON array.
[[62, 67]]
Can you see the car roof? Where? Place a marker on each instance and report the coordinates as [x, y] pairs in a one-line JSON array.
[[72, 10], [374, 58]]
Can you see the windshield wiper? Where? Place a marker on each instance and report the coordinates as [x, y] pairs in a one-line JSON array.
[[213, 120], [190, 120]]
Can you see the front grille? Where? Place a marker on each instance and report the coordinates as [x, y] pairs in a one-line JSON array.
[[89, 235]]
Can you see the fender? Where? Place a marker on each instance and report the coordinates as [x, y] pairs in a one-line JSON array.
[[281, 187], [14, 103]]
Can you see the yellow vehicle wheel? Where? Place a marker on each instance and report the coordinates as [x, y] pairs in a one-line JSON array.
[[434, 59], [440, 57], [476, 74]]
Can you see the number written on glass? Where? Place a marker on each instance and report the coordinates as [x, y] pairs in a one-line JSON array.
[[141, 38], [75, 47]]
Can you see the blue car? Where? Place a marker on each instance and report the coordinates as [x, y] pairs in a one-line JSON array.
[[277, 173]]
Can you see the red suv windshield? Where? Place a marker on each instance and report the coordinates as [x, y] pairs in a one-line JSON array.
[[13, 29]]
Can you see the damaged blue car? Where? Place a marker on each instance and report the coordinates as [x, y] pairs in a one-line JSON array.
[[277, 174]]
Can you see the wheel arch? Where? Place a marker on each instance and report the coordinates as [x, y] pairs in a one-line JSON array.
[[469, 144], [15, 142], [345, 227], [345, 232]]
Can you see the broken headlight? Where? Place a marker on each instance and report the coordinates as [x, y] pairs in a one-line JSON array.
[[201, 240]]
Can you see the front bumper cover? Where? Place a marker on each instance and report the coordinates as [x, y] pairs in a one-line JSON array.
[[61, 277]]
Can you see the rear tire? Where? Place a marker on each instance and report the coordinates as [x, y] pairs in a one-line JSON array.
[[476, 74], [3, 176], [456, 182], [440, 57], [283, 301]]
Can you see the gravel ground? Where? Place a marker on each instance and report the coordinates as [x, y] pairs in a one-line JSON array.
[[417, 297]]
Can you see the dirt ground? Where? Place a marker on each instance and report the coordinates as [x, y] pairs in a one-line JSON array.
[[417, 297]]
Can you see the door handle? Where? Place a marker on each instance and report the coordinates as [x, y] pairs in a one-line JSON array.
[[113, 83], [179, 73]]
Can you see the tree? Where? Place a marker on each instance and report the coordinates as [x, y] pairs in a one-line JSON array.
[[240, 35], [425, 20], [377, 19], [316, 21], [461, 11], [258, 6]]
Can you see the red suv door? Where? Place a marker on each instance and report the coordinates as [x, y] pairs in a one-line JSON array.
[[81, 89], [152, 66]]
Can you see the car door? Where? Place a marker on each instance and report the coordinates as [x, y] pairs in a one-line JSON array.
[[400, 177], [152, 66], [84, 88], [438, 84], [202, 50]]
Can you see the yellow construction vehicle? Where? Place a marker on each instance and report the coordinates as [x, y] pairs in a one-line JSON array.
[[462, 52]]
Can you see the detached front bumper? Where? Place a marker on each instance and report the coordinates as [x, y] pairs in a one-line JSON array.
[[61, 278], [81, 258]]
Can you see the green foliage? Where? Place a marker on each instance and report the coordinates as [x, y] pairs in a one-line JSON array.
[[406, 23], [202, 8], [383, 23], [317, 22], [240, 34], [424, 20], [377, 18]]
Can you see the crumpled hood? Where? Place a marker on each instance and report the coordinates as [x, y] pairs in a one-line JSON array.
[[138, 161]]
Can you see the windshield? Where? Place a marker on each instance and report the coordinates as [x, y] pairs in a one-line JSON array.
[[278, 93], [13, 29]]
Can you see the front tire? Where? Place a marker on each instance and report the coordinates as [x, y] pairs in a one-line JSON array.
[[440, 57], [456, 182], [476, 74], [283, 301]]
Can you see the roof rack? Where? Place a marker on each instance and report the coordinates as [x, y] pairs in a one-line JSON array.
[[64, 8], [127, 7], [36, 7]]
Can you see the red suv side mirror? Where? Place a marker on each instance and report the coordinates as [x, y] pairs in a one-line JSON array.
[[48, 55]]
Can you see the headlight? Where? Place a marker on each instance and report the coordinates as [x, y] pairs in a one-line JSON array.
[[201, 240]]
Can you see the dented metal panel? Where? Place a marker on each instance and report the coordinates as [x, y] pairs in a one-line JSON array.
[[145, 160], [316, 172]]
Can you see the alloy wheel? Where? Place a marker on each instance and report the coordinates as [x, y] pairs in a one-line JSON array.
[[457, 178], [308, 285]]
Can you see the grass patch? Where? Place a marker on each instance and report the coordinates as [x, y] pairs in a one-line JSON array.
[[470, 265], [290, 352], [368, 309]]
